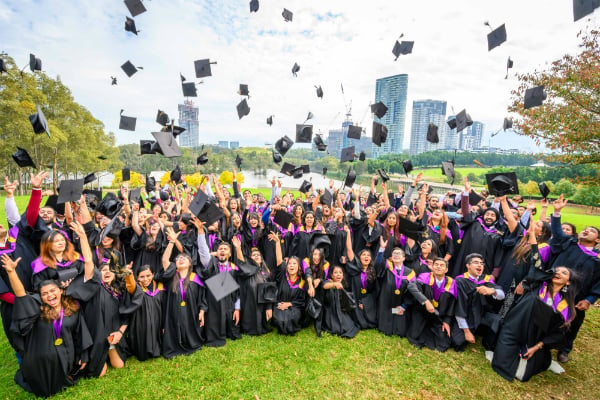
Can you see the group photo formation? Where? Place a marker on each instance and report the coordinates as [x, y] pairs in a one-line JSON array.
[[283, 200]]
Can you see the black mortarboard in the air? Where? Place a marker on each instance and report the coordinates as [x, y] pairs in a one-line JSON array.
[[496, 37], [202, 158], [202, 67], [451, 122], [350, 178], [282, 145], [267, 292], [581, 8], [22, 158], [362, 156], [69, 190], [502, 183], [244, 91], [347, 154], [211, 213], [242, 109], [167, 145], [162, 118], [354, 132], [297, 173], [295, 69], [305, 168], [508, 123], [403, 47], [198, 203], [287, 15], [189, 89], [380, 133], [221, 285], [534, 97], [254, 5], [102, 157], [383, 174], [409, 228], [509, 64], [432, 133], [319, 240], [135, 195], [148, 147], [129, 68], [326, 198], [283, 218], [463, 120], [319, 143], [407, 166], [324, 171], [89, 178], [176, 175], [319, 91], [474, 198], [35, 64], [448, 170], [39, 122], [52, 203], [305, 186], [92, 198], [288, 169], [174, 129], [127, 123], [270, 120], [276, 156], [135, 7], [238, 161], [304, 133], [379, 109], [130, 26], [126, 174], [544, 190]]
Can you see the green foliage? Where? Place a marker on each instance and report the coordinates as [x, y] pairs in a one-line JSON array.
[[588, 195], [565, 187]]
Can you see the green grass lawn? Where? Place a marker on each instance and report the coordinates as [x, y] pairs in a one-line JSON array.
[[370, 366], [435, 174]]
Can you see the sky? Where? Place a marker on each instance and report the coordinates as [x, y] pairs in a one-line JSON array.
[[335, 42]]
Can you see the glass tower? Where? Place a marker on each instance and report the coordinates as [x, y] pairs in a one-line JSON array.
[[392, 91]]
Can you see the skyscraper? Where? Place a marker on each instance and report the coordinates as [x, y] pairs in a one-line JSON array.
[[392, 91], [188, 119], [425, 112], [471, 137]]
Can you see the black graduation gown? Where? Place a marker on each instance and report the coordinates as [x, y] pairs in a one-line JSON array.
[[361, 238], [335, 319], [337, 249], [144, 255], [365, 317], [447, 247], [182, 331], [43, 273], [218, 321], [289, 321], [529, 322], [253, 317], [391, 296], [300, 246], [46, 368], [104, 314], [144, 334], [504, 260], [426, 328]]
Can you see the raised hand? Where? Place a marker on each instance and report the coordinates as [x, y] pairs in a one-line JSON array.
[[37, 180], [10, 187], [559, 203], [9, 264]]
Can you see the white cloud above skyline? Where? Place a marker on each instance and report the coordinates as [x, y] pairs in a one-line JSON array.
[[333, 41]]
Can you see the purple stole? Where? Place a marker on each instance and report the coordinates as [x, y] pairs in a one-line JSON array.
[[11, 241], [399, 276], [448, 286], [299, 284], [37, 265], [485, 228], [486, 279], [559, 304], [222, 268], [157, 289]]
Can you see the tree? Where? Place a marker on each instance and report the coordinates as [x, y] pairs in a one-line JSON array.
[[569, 119], [587, 195], [565, 187]]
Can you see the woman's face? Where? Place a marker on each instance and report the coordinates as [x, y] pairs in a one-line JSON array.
[[145, 277], [51, 295], [365, 258], [339, 213], [561, 276], [403, 211], [292, 266], [391, 219], [437, 215], [233, 205], [182, 262], [326, 211], [337, 275], [107, 275], [107, 242], [253, 222], [298, 211], [538, 227], [154, 229], [426, 246], [156, 210], [236, 220], [256, 257], [59, 244], [316, 256], [309, 220], [567, 229]]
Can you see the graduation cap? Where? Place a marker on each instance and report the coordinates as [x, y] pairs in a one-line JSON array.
[[203, 157], [189, 89], [463, 120], [354, 132], [113, 80], [35, 64], [380, 132], [534, 97], [244, 90], [66, 274], [22, 158], [502, 183], [162, 118], [350, 178], [130, 26], [127, 123], [324, 171], [70, 190], [242, 109], [496, 37], [176, 175], [305, 187], [135, 195], [276, 156], [379, 109], [92, 198], [326, 198], [126, 174], [287, 15], [150, 184], [288, 169], [319, 91], [254, 5], [319, 240], [509, 64], [202, 67], [210, 214], [451, 122], [402, 48], [295, 69], [407, 166], [304, 133], [174, 129], [544, 190], [148, 147], [238, 161], [508, 123], [474, 198], [409, 228], [270, 120], [198, 203], [347, 154], [297, 173], [129, 68], [383, 174], [362, 156], [432, 133], [102, 157], [267, 292], [167, 145], [89, 178], [135, 7], [39, 122], [283, 218], [318, 141], [581, 8], [448, 170], [305, 168], [221, 285], [282, 145]]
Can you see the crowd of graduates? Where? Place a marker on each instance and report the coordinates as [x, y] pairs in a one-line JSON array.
[[163, 271]]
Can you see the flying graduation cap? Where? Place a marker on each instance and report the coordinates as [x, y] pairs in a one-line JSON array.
[[113, 80], [304, 133], [448, 170], [130, 69], [463, 120], [362, 156], [407, 166], [402, 48], [202, 68], [295, 69], [130, 26], [496, 37], [509, 64], [270, 120], [135, 7], [2, 67], [203, 157], [581, 8], [287, 15], [244, 90], [22, 158], [380, 133], [167, 145], [507, 124], [379, 109], [242, 109], [534, 97], [127, 123], [451, 122], [238, 161], [282, 145], [432, 133], [188, 88], [347, 154], [319, 91], [39, 122], [319, 143], [502, 183], [254, 5], [277, 158], [35, 64], [162, 118], [354, 132]]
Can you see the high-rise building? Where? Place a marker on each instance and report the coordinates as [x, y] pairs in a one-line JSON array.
[[338, 139], [234, 144], [392, 92], [471, 137], [188, 119], [452, 139], [425, 112], [223, 143]]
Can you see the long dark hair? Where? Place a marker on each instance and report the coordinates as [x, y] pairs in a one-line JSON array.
[[186, 281], [371, 276], [317, 269], [569, 293], [69, 304]]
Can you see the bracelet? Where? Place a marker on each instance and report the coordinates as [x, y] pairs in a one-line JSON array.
[[121, 332], [540, 345]]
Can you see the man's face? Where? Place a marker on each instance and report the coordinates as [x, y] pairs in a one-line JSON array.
[[434, 203], [47, 215], [489, 218], [589, 234], [475, 267]]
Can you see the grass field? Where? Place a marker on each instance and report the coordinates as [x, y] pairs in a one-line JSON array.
[[435, 174]]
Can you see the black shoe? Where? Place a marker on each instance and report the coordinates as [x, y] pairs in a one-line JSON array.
[[562, 356]]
